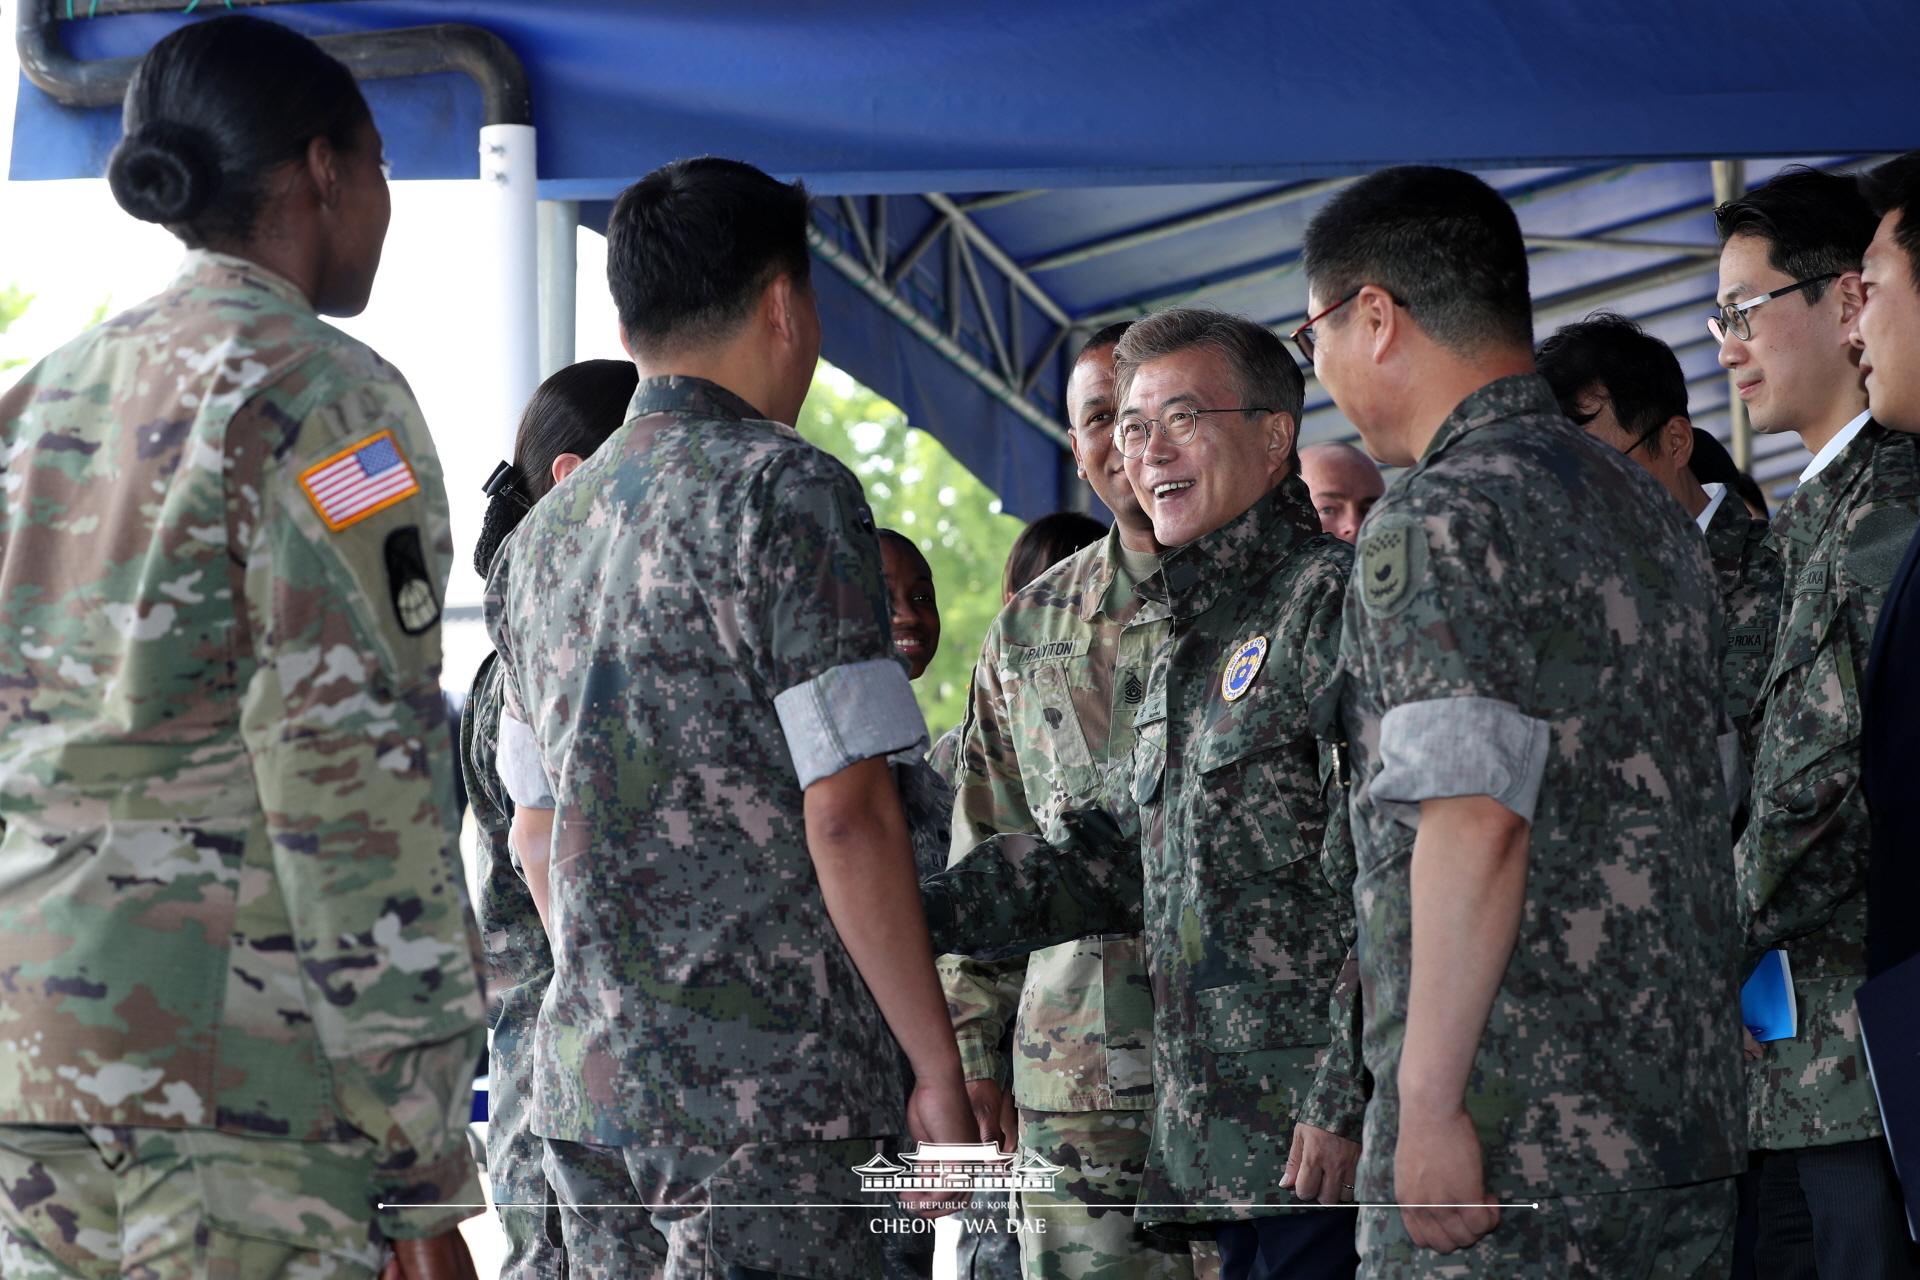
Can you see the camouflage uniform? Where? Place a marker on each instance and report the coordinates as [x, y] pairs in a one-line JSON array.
[[1565, 668], [1802, 861], [1240, 872], [693, 625], [239, 949], [519, 966], [1748, 573], [1062, 672]]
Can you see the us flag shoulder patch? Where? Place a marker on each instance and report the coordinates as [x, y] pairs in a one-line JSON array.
[[359, 480]]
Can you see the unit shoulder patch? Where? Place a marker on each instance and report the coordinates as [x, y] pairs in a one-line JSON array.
[[1393, 561]]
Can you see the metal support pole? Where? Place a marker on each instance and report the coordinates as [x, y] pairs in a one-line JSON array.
[[1729, 181], [507, 178], [559, 222]]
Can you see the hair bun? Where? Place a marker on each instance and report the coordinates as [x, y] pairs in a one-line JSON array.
[[164, 172]]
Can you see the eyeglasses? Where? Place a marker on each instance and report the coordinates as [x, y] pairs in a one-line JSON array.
[[1736, 318], [1303, 336], [1130, 435]]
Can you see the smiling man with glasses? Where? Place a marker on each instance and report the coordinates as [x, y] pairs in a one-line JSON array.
[[1827, 1202], [1242, 869]]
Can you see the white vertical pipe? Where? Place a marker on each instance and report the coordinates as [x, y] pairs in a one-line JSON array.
[[559, 280], [508, 176]]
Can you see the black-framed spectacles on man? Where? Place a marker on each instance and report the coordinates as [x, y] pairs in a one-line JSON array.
[[1130, 435], [1736, 317]]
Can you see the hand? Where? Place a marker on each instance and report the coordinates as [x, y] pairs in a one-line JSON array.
[[994, 1112], [1320, 1165], [939, 1111], [441, 1257], [1438, 1161], [1750, 1046]]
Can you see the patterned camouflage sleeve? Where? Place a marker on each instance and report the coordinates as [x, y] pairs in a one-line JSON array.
[[1807, 791], [1018, 893], [1457, 675], [983, 996], [345, 725], [1337, 1102]]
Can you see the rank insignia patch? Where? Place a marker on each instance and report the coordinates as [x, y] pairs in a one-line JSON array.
[[1242, 669]]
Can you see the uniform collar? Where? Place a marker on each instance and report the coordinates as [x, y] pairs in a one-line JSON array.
[[1192, 577], [1716, 496], [1834, 447], [208, 269], [694, 397], [1510, 397], [1808, 502]]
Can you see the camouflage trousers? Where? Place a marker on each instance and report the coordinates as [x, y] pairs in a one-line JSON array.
[[1662, 1233], [1089, 1231], [701, 1213], [174, 1204], [515, 1155]]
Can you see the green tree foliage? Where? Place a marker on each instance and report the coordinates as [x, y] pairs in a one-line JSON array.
[[13, 304], [916, 486]]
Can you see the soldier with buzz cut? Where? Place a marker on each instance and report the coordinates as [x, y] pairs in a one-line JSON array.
[[1548, 942], [241, 1006], [1062, 673], [1223, 836], [693, 634]]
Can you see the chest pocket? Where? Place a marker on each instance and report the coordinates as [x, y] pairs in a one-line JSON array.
[[1257, 797], [1813, 688], [1044, 699], [1150, 748]]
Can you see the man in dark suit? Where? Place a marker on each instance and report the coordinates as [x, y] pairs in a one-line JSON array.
[[1887, 330]]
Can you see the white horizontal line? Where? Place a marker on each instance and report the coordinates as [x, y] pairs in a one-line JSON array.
[[1042, 1208]]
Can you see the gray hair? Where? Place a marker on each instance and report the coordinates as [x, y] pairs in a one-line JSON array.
[[1265, 372]]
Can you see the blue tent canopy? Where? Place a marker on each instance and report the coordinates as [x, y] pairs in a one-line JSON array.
[[999, 179]]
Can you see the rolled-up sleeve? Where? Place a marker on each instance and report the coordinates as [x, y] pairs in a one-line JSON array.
[[848, 714], [1464, 746]]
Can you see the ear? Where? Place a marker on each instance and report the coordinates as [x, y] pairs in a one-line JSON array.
[[1073, 442], [323, 171], [779, 306], [1374, 307], [564, 466], [1677, 439], [1282, 432], [1852, 297]]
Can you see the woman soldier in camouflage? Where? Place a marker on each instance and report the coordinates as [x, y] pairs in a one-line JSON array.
[[242, 1004], [569, 417]]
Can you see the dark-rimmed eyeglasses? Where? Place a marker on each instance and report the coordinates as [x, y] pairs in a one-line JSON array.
[[1302, 338], [1736, 317], [1130, 435]]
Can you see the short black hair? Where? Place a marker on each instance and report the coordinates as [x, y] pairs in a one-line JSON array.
[[1046, 542], [1712, 464], [1103, 338], [691, 246], [1441, 241], [1815, 224], [1639, 374], [1894, 187], [211, 110]]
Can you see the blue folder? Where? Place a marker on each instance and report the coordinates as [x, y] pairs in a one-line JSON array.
[[1889, 1006], [1767, 1005]]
